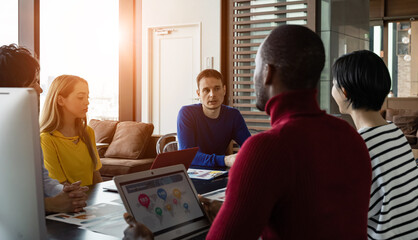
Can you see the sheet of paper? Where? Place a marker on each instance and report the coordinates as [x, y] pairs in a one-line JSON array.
[[110, 225], [92, 213], [216, 195], [118, 201], [204, 173], [105, 218]]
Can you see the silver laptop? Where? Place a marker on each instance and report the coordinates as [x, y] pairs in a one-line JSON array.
[[165, 200]]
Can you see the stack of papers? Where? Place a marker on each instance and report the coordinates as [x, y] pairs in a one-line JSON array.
[[204, 173]]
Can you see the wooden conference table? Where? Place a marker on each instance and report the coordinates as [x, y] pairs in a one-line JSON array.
[[59, 230]]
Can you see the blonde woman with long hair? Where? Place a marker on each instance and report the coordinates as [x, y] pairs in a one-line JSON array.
[[67, 142]]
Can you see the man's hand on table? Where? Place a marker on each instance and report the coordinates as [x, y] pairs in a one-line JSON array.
[[230, 159], [72, 199], [211, 207], [136, 230]]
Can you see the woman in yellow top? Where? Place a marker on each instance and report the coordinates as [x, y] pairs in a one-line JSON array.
[[68, 144]]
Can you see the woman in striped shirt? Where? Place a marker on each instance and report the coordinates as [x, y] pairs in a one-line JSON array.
[[361, 84]]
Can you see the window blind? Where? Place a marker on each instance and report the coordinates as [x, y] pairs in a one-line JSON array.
[[249, 23]]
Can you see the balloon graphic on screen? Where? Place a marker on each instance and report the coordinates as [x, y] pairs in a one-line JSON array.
[[162, 193], [143, 200], [158, 211], [177, 193]]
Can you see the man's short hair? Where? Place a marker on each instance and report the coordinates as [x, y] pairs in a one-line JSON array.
[[297, 54], [207, 73], [18, 67], [365, 78]]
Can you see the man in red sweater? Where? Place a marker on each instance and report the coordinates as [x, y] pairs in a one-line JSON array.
[[309, 176]]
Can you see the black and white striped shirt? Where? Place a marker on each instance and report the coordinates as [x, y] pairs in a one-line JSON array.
[[393, 210]]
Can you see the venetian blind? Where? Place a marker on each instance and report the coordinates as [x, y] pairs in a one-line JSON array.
[[251, 22]]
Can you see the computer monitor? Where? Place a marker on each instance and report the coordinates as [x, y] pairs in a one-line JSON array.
[[22, 214]]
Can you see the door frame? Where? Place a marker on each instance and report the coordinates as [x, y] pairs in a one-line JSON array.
[[149, 79]]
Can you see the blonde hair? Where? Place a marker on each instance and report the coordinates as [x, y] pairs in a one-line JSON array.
[[51, 118]]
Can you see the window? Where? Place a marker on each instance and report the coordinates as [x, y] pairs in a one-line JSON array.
[[251, 22], [402, 56], [400, 49], [376, 39], [80, 37], [9, 20]]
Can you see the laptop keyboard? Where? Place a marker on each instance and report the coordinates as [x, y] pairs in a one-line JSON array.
[[201, 236]]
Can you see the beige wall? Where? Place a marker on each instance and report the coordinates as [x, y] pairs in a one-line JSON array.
[[169, 12]]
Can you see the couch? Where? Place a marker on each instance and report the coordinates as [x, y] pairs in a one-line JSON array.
[[125, 147], [406, 120], [403, 112]]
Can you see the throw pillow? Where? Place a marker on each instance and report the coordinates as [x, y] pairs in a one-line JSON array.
[[408, 124], [103, 130], [390, 113], [130, 140]]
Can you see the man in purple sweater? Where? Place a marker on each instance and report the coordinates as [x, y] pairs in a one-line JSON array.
[[210, 125]]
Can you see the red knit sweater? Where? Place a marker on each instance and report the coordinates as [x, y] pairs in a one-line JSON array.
[[308, 177]]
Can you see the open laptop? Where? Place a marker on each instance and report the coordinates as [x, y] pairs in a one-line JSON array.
[[184, 157], [166, 201]]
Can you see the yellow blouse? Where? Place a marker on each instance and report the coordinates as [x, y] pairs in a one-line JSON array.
[[67, 158]]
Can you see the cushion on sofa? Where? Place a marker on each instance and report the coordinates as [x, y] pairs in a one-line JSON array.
[[113, 166], [103, 130], [130, 140], [390, 113], [150, 151], [408, 124]]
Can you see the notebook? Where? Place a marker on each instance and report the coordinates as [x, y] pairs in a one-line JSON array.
[[165, 200], [184, 157]]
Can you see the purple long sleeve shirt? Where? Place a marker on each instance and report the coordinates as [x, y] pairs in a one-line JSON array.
[[212, 136]]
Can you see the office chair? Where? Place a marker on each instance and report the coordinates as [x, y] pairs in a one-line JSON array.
[[167, 146]]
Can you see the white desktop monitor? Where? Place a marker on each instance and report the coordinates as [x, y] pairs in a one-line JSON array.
[[22, 213]]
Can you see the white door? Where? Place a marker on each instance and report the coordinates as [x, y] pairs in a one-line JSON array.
[[175, 63]]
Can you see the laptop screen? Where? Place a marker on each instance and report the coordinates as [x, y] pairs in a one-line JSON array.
[[163, 203]]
